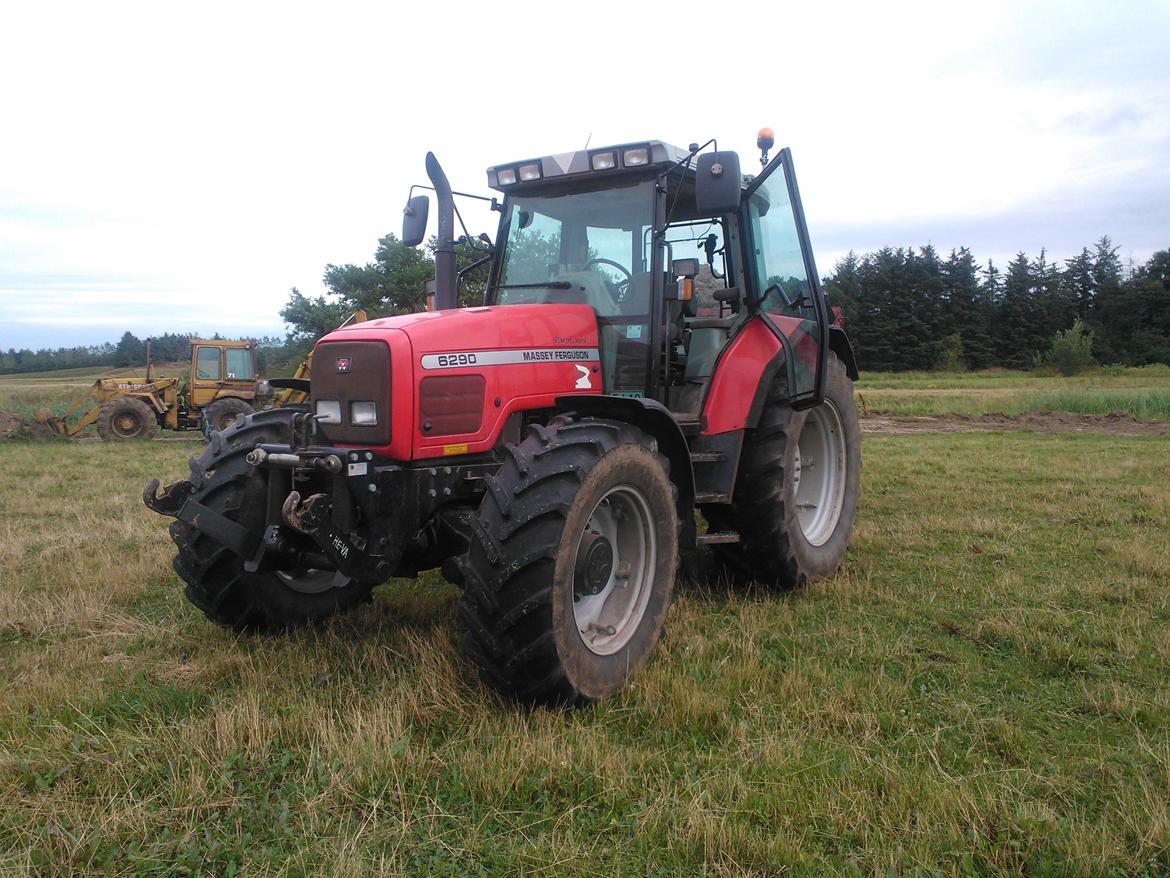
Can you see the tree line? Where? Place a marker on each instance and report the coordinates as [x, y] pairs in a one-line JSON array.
[[910, 308], [128, 352], [904, 308]]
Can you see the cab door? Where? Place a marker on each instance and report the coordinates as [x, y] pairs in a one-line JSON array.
[[206, 374], [782, 281]]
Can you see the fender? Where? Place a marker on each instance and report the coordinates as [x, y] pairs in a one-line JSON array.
[[840, 345], [652, 417], [743, 373]]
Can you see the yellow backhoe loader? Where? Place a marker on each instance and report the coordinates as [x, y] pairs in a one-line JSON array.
[[221, 385]]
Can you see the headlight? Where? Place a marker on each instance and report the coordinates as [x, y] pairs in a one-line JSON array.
[[363, 414], [529, 172], [631, 158], [328, 411], [506, 176]]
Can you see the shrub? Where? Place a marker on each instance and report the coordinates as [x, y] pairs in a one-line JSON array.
[[1072, 350], [950, 355]]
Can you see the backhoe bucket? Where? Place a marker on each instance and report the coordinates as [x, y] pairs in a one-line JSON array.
[[54, 423]]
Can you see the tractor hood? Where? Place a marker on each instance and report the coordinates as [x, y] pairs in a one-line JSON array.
[[455, 376]]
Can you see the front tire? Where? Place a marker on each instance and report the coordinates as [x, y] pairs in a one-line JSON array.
[[222, 413], [216, 580], [798, 486], [568, 579], [126, 418]]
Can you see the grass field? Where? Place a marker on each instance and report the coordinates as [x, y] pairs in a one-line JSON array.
[[1142, 392], [982, 690], [23, 394]]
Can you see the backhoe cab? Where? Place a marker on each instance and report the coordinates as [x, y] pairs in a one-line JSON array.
[[653, 340]]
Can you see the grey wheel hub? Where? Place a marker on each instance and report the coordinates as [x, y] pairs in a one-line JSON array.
[[307, 581], [613, 566], [818, 480]]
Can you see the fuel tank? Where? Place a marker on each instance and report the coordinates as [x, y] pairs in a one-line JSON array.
[[453, 377]]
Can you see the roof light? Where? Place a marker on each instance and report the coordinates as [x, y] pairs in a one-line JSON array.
[[506, 176], [530, 172], [632, 158], [603, 161]]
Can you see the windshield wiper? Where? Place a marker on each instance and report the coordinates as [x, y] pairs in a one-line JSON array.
[[547, 285]]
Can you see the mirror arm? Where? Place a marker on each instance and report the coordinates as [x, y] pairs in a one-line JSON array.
[[468, 268]]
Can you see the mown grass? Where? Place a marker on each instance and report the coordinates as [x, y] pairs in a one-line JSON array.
[[1141, 392], [982, 690]]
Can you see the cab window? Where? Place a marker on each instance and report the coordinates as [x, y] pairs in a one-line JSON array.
[[207, 364], [585, 247], [239, 364]]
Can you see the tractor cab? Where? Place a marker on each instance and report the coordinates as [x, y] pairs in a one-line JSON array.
[[675, 251]]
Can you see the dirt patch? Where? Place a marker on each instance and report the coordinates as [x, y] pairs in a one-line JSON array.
[[1114, 423], [12, 427], [15, 427]]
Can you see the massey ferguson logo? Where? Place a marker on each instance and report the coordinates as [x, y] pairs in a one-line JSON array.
[[343, 364]]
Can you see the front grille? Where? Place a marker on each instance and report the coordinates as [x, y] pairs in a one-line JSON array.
[[346, 372]]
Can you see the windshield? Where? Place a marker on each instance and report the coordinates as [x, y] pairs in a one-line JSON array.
[[582, 247]]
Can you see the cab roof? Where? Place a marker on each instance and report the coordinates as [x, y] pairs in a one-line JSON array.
[[619, 159]]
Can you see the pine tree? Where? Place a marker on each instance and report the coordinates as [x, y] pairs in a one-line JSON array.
[[968, 308], [1078, 282]]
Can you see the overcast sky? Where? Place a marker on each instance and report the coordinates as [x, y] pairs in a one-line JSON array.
[[180, 167]]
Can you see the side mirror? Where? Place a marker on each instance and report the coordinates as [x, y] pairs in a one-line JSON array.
[[414, 220], [717, 181]]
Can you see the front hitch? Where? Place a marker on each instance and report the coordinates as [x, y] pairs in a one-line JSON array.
[[314, 518]]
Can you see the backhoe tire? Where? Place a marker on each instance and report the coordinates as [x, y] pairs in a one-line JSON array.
[[796, 493], [569, 575], [222, 413], [126, 418], [216, 580]]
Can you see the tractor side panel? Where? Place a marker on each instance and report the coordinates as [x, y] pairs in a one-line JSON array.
[[459, 374], [519, 357], [741, 368]]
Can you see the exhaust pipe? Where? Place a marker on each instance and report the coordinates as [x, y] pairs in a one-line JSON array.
[[446, 294]]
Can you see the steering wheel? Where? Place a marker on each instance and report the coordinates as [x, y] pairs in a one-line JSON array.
[[617, 291]]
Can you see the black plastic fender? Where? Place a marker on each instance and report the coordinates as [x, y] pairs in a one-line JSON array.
[[840, 345], [651, 417]]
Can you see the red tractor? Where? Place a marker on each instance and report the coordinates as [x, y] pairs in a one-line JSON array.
[[549, 449]]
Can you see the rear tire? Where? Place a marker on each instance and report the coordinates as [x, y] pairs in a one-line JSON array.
[[126, 418], [222, 413], [797, 490], [568, 579], [216, 580]]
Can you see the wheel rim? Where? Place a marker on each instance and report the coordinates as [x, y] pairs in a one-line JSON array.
[[818, 484], [609, 618], [127, 424], [307, 581]]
